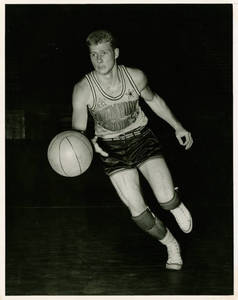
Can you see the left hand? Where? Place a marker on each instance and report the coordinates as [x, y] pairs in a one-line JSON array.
[[97, 148], [184, 137]]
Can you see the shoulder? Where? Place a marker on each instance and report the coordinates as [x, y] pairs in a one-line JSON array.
[[139, 77], [81, 87], [81, 92]]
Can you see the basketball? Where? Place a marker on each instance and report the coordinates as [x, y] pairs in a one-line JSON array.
[[70, 153]]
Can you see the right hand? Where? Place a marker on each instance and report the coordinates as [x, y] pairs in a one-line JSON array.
[[97, 148]]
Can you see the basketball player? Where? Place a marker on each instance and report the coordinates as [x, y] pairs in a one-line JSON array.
[[111, 93]]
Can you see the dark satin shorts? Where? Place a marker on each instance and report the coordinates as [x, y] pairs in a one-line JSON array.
[[130, 152]]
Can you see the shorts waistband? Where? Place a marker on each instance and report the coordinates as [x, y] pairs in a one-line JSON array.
[[127, 135]]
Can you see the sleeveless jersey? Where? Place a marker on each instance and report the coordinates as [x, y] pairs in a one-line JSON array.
[[115, 115]]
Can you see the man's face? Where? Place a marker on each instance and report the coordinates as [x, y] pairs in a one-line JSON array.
[[103, 57]]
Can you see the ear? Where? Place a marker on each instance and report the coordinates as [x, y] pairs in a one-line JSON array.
[[116, 51]]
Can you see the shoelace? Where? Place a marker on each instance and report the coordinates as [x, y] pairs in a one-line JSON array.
[[174, 251]]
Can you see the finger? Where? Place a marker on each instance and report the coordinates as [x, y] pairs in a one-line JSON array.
[[186, 137], [94, 140], [188, 146], [103, 153], [99, 150], [180, 140], [190, 142]]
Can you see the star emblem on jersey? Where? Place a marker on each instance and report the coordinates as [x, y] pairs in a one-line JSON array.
[[129, 94]]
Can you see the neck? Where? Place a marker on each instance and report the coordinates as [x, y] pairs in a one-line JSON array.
[[111, 78]]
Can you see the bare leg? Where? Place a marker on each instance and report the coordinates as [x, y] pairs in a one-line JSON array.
[[127, 185], [158, 175]]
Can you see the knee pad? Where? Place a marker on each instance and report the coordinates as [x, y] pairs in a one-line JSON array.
[[171, 204], [149, 223]]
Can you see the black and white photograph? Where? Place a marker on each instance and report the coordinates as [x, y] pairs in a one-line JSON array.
[[119, 149]]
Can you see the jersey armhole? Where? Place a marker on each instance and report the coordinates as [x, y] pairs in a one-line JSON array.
[[93, 92], [131, 80]]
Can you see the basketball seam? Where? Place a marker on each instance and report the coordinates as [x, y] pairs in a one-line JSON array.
[[75, 154], [60, 158], [52, 143], [89, 149]]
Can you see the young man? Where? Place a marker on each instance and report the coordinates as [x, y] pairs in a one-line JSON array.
[[126, 145]]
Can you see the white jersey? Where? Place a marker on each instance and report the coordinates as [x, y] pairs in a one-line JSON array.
[[115, 115]]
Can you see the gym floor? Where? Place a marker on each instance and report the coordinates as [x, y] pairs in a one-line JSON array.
[[73, 236]]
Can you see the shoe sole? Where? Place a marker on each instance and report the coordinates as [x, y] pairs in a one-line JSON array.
[[175, 267]]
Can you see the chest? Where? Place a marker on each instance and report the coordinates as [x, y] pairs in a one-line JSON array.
[[112, 91], [103, 102]]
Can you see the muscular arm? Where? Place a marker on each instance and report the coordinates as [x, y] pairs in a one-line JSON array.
[[160, 108], [81, 97]]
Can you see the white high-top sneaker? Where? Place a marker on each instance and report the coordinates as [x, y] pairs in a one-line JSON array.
[[174, 261], [183, 218]]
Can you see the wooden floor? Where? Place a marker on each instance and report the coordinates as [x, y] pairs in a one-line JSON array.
[[98, 251], [74, 237]]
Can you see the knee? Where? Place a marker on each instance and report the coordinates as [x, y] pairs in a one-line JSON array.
[[172, 203], [135, 203], [164, 195], [133, 199], [149, 223]]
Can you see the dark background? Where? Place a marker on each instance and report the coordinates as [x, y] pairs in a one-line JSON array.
[[186, 52]]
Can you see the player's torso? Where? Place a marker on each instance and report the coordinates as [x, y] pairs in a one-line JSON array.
[[115, 111]]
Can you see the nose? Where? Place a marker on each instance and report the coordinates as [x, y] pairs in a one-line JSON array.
[[99, 58]]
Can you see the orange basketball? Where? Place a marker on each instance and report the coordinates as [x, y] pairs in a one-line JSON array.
[[70, 153]]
